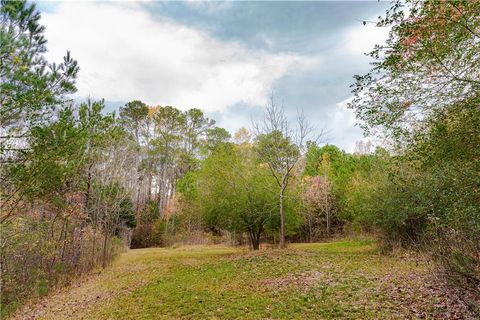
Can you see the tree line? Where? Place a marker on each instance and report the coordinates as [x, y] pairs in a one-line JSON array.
[[79, 184], [423, 95]]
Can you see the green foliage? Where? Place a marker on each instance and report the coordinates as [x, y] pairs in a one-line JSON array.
[[55, 150], [53, 211], [187, 185], [197, 125], [58, 152], [430, 61], [127, 213], [215, 138], [431, 191], [30, 87], [74, 178], [293, 219], [352, 176], [42, 287], [149, 227], [132, 115], [329, 160], [277, 151], [423, 92], [236, 192]]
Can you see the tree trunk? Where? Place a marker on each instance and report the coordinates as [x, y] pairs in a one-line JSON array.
[[309, 228], [281, 243], [327, 211], [94, 243], [328, 224], [254, 238], [256, 244], [88, 192], [150, 186], [86, 211], [105, 243], [137, 205]]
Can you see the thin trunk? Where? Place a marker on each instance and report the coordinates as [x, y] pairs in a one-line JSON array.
[[250, 242], [327, 211], [282, 221], [86, 211], [162, 191], [149, 185], [64, 227], [104, 258], [88, 191], [257, 237], [256, 244], [94, 242], [328, 223], [137, 205], [309, 228]]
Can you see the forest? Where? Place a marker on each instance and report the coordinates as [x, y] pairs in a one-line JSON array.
[[82, 187]]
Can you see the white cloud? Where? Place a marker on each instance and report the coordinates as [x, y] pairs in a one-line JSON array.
[[363, 38], [341, 129], [343, 115], [125, 53]]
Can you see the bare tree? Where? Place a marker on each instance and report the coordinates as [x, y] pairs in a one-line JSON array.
[[280, 146], [363, 147]]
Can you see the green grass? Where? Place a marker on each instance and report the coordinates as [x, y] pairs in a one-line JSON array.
[[349, 280]]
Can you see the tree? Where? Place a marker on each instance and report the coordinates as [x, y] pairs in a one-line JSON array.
[[64, 167], [31, 89], [111, 209], [170, 144], [280, 148], [215, 138], [30, 86], [236, 193], [196, 126], [430, 61], [242, 136], [134, 117], [423, 92], [169, 123], [95, 127]]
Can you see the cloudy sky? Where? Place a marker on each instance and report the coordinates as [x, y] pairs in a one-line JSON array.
[[225, 58]]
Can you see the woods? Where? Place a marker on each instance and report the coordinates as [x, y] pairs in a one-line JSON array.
[[80, 185], [425, 79]]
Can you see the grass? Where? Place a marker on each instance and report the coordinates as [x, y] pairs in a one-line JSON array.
[[348, 280]]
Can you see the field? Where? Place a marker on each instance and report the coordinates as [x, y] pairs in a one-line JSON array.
[[339, 280]]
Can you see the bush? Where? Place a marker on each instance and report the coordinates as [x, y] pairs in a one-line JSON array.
[[430, 196], [40, 254]]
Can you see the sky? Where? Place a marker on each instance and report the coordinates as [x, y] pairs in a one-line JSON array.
[[226, 58]]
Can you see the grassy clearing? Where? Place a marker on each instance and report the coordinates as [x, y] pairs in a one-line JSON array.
[[307, 281]]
